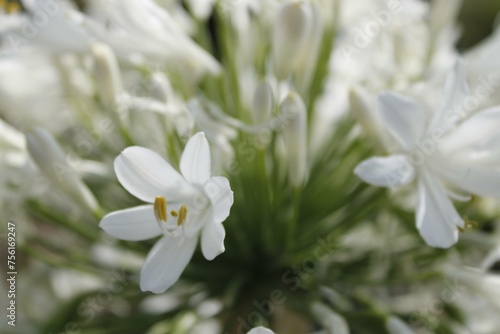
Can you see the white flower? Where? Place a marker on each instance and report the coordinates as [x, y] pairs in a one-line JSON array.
[[476, 281], [260, 330], [123, 25], [184, 206], [437, 150]]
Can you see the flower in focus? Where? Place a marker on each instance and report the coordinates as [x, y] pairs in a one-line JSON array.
[[182, 207], [438, 149]]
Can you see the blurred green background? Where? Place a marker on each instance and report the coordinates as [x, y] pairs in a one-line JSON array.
[[478, 19]]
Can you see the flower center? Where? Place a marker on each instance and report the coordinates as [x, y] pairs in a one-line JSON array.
[[160, 210], [10, 7]]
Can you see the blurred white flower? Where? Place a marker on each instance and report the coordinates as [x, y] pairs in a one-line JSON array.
[[17, 172], [262, 103], [53, 26], [23, 99], [295, 135], [201, 8], [478, 281], [260, 330], [483, 71], [124, 25], [293, 28], [395, 325], [331, 321], [198, 204], [52, 162], [492, 259], [218, 133], [107, 74], [434, 151], [385, 45]]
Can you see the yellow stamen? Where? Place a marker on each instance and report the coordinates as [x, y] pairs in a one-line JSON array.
[[174, 213], [468, 225], [160, 208], [10, 7], [13, 7], [182, 215]]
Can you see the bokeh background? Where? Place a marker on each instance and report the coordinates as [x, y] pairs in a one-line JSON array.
[[477, 18]]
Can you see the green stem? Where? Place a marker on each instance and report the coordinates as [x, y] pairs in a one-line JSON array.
[[292, 226]]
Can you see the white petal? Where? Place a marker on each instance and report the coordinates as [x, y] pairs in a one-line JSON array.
[[138, 223], [392, 171], [218, 190], [146, 175], [260, 330], [212, 240], [473, 177], [403, 117], [195, 162], [455, 92], [480, 133], [437, 218], [166, 262]]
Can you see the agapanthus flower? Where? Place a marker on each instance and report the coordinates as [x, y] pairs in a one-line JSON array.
[[285, 92], [437, 149], [182, 207]]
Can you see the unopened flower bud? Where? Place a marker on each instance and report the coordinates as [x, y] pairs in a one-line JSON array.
[[201, 9], [293, 110], [291, 31], [160, 88], [331, 321], [262, 103], [395, 325], [107, 73], [51, 160], [363, 109]]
